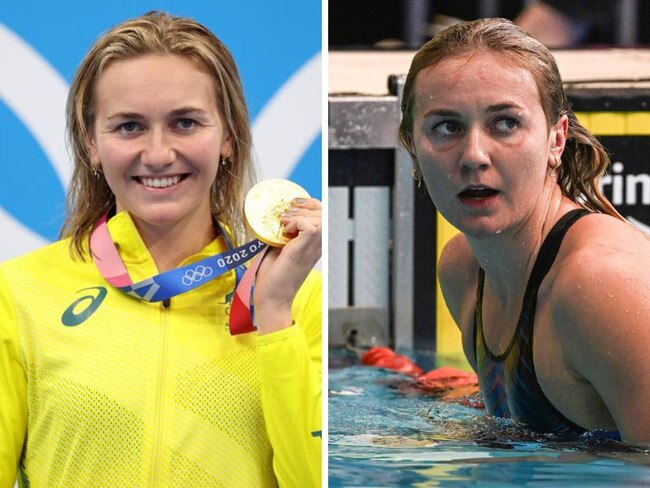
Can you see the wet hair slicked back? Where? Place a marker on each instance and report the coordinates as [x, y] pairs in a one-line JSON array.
[[155, 33], [584, 160]]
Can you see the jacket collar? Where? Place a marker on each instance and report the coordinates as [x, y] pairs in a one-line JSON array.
[[135, 254]]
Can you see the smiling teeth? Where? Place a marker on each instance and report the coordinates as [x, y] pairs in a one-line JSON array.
[[160, 182]]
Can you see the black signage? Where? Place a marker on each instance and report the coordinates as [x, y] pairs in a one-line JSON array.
[[627, 184]]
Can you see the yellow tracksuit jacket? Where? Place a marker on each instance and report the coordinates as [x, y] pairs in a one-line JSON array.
[[100, 389]]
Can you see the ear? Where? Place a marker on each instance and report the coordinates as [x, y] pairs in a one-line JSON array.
[[416, 164], [409, 147], [557, 141], [92, 149], [226, 146]]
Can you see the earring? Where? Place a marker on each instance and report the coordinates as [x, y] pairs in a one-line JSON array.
[[225, 161], [416, 176], [557, 161], [96, 170]]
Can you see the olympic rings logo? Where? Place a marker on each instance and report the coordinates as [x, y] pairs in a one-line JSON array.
[[196, 275]]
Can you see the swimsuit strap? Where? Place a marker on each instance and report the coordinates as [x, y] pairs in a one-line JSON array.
[[545, 259], [550, 248], [508, 381]]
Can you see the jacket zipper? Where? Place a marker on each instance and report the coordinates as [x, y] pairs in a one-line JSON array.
[[160, 394]]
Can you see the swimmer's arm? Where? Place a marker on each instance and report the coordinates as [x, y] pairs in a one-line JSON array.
[[458, 273], [604, 312]]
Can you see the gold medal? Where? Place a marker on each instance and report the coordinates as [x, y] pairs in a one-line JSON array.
[[263, 206]]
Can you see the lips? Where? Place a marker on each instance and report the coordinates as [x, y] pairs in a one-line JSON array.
[[477, 192], [478, 198], [159, 181]]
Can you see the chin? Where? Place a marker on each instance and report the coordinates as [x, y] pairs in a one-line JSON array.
[[480, 227], [160, 217], [481, 233]]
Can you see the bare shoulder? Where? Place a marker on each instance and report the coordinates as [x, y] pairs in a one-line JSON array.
[[599, 250], [457, 272], [600, 258], [608, 232], [600, 301]]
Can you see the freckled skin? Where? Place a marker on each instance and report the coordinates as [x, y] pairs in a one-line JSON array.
[[463, 91], [157, 116], [156, 143], [478, 120]]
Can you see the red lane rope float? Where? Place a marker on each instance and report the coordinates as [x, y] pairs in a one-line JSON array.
[[455, 385], [384, 357], [445, 378], [452, 384]]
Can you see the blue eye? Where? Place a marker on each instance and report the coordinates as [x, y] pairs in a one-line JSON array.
[[447, 128], [128, 127], [506, 124], [185, 123]]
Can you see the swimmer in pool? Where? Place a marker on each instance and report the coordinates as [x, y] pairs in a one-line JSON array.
[[548, 284]]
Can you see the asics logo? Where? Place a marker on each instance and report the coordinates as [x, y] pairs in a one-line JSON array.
[[195, 275], [72, 317]]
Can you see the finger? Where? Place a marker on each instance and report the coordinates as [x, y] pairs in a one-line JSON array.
[[292, 213], [290, 227], [306, 241], [308, 203], [295, 224], [314, 217]]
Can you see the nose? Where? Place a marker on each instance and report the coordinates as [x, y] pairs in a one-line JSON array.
[[158, 150], [475, 155]]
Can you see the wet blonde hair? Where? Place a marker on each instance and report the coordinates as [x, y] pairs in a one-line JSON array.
[[89, 196], [584, 160]]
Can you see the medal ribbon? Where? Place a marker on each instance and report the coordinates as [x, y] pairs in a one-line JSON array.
[[242, 312], [176, 281]]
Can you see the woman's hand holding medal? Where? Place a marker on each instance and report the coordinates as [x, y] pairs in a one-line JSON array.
[[282, 214]]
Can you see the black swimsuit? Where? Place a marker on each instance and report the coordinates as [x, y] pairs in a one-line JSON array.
[[508, 382]]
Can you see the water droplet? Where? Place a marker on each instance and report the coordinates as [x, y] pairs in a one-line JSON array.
[[610, 295]]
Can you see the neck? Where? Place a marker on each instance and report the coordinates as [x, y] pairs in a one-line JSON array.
[[508, 258], [169, 245]]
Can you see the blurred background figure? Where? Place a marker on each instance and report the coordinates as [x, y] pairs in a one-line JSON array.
[[558, 24]]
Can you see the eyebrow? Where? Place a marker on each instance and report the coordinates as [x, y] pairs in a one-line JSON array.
[[497, 107], [187, 110], [174, 113], [124, 115], [442, 112]]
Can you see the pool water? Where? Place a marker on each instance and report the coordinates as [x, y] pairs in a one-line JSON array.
[[383, 432]]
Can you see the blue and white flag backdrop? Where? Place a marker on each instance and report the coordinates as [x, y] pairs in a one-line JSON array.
[[277, 46]]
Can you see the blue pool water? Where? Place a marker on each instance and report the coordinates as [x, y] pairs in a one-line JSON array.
[[384, 432]]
